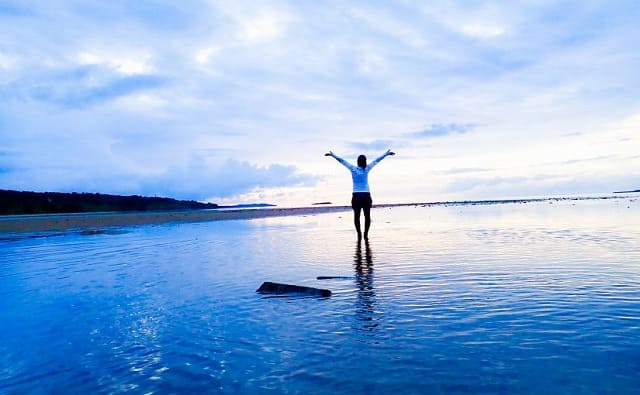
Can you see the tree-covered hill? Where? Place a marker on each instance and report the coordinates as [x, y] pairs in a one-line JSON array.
[[19, 202]]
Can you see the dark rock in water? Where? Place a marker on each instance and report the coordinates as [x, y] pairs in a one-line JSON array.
[[91, 232], [268, 287], [334, 278]]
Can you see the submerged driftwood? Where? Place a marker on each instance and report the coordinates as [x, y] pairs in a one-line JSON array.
[[268, 287]]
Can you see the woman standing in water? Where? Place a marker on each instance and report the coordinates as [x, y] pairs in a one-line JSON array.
[[361, 199]]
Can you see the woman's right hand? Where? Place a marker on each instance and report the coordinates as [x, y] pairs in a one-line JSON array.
[[330, 153]]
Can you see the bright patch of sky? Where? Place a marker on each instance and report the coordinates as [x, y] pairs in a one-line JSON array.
[[237, 101]]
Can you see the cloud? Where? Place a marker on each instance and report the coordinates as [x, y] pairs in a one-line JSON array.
[[375, 145], [81, 93], [440, 130], [573, 134], [7, 162], [464, 170], [543, 185], [466, 184], [7, 62], [586, 160], [155, 15], [80, 86], [199, 181], [128, 65]]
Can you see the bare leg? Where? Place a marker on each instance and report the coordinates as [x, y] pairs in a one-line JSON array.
[[367, 221], [356, 221]]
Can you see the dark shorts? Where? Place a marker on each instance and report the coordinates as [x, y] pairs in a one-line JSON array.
[[360, 200]]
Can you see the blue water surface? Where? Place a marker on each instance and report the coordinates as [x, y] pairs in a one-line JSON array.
[[529, 298]]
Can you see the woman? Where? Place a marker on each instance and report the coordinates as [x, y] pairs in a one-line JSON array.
[[361, 199]]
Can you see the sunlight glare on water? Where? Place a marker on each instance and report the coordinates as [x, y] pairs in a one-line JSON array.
[[511, 298]]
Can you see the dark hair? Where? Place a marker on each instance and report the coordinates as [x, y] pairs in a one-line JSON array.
[[362, 161]]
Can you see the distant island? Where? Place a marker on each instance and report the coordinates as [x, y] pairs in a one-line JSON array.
[[635, 191], [20, 202]]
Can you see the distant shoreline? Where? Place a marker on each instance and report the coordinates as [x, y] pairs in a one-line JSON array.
[[92, 221]]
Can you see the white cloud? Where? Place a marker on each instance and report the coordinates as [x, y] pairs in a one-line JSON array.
[[132, 64], [253, 23], [144, 103], [480, 21], [7, 62], [390, 25], [263, 27], [482, 30], [201, 181], [203, 55]]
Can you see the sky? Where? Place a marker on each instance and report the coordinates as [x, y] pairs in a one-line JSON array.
[[237, 101]]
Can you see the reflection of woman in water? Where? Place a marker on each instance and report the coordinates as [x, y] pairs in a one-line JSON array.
[[361, 200], [364, 266], [366, 302]]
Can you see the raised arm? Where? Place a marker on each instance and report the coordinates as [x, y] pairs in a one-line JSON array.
[[342, 161], [381, 157]]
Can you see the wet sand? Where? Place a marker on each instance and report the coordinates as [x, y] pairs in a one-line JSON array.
[[61, 222]]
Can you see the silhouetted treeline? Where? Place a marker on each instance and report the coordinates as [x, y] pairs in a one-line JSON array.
[[17, 202]]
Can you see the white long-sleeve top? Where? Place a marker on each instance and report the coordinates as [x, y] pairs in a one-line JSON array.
[[360, 175]]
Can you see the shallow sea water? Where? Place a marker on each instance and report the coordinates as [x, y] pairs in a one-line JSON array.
[[508, 298]]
